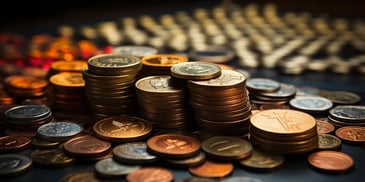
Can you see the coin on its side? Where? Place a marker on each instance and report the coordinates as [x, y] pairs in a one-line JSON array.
[[331, 161]]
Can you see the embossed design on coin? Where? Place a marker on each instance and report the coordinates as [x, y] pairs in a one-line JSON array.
[[27, 112], [331, 161], [348, 113], [14, 143], [195, 70], [113, 60], [85, 146], [265, 161], [313, 104], [324, 126], [328, 142], [227, 78], [262, 84], [354, 134], [59, 131], [133, 153]]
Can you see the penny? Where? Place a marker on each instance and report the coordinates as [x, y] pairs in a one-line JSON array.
[[212, 169], [187, 162], [195, 70], [324, 126], [25, 82], [352, 134], [110, 169], [59, 131], [227, 147], [328, 142], [14, 143], [14, 164], [331, 161], [68, 66], [173, 145], [263, 161], [51, 158], [67, 79], [86, 146], [122, 128], [151, 173], [311, 104], [133, 153]]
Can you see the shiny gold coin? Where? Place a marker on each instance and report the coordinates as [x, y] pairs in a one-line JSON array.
[[25, 82], [67, 79], [68, 66], [122, 128]]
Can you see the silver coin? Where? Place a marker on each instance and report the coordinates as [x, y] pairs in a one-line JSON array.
[[195, 70], [262, 85], [114, 61], [349, 113], [133, 153], [59, 131], [285, 91], [135, 50], [109, 168], [314, 104], [14, 164], [27, 112]]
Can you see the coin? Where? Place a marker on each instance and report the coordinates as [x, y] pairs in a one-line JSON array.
[[14, 164], [84, 175], [39, 143], [59, 131], [187, 162], [348, 113], [151, 173], [311, 104], [324, 126], [341, 97], [133, 153], [328, 142], [122, 128], [135, 50], [27, 112], [196, 179], [214, 54], [14, 143], [227, 147], [241, 179], [263, 161], [195, 70], [51, 158], [86, 146], [173, 145], [212, 169], [262, 85], [110, 169], [331, 161], [227, 79], [67, 79], [351, 134], [163, 60]]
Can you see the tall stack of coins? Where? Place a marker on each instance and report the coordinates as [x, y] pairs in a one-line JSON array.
[[283, 131], [66, 66], [160, 64], [173, 112], [268, 91], [221, 104], [23, 87], [67, 93], [109, 84]]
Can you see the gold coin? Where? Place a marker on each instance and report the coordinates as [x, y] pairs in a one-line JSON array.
[[157, 84], [67, 79], [163, 60], [69, 66]]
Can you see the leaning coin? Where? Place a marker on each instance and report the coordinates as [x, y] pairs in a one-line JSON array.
[[331, 161], [328, 142], [263, 161], [151, 173], [59, 131], [133, 153], [241, 179], [351, 134], [14, 164], [110, 169], [212, 169], [195, 70]]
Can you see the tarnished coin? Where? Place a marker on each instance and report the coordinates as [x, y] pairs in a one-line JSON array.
[[263, 161], [311, 104], [212, 169], [352, 134], [195, 70], [133, 153], [14, 143], [83, 175], [241, 179], [51, 158], [27, 112], [324, 126], [14, 164], [187, 162], [86, 146], [122, 128], [341, 97], [59, 131], [328, 142], [227, 147], [135, 50], [151, 173], [262, 85], [110, 169], [331, 161], [173, 145]]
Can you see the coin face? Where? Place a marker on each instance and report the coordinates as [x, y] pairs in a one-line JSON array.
[[264, 161], [173, 145], [68, 79], [59, 131], [352, 113], [331, 161], [262, 84], [212, 169], [163, 60], [133, 153], [86, 145], [113, 61], [27, 112], [13, 143], [110, 169], [328, 142], [157, 84], [284, 121], [341, 97], [122, 128], [226, 79], [150, 174], [227, 147], [324, 127], [314, 104], [135, 50], [195, 70], [354, 134], [14, 164]]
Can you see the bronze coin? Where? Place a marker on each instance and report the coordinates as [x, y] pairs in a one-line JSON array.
[[146, 174], [324, 126], [14, 143], [263, 161], [80, 176], [86, 146], [331, 161], [328, 142], [352, 134], [173, 145], [212, 169], [51, 158]]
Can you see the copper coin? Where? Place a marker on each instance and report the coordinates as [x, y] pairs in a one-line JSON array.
[[51, 158], [80, 176], [25, 82], [324, 126], [331, 161], [68, 79], [173, 145], [353, 134], [147, 174], [212, 169], [86, 146], [14, 143]]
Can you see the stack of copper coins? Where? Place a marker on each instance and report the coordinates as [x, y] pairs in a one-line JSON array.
[[268, 91], [283, 131], [67, 93], [23, 87], [151, 90], [66, 66], [27, 118], [160, 64], [109, 84], [221, 104]]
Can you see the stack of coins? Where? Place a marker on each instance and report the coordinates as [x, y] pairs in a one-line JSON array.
[[268, 91], [221, 104], [27, 117], [109, 84], [283, 131], [347, 115], [67, 93], [151, 90], [160, 64], [66, 66], [23, 87]]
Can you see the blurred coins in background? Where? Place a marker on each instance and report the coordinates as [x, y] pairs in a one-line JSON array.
[[160, 64], [135, 50], [311, 104]]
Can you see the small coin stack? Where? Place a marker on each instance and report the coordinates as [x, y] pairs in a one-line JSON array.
[[160, 64], [347, 115], [283, 131], [151, 90], [268, 91], [66, 91], [221, 104], [23, 87], [109, 84]]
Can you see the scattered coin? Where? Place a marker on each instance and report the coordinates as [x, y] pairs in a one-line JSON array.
[[151, 173], [331, 161], [212, 169]]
